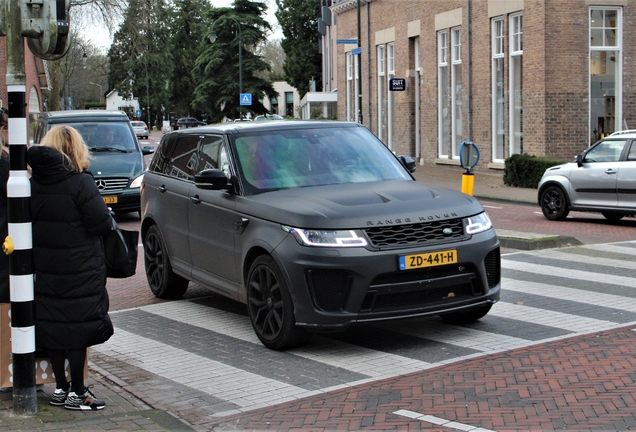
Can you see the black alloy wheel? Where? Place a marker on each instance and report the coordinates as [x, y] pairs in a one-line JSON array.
[[163, 282], [554, 205], [270, 307]]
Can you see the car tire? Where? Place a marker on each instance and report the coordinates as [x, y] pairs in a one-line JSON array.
[[466, 317], [554, 204], [163, 282], [270, 307], [613, 217]]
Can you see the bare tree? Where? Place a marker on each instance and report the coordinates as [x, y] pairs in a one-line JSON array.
[[272, 53]]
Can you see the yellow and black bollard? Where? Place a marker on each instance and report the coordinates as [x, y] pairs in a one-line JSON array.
[[468, 183]]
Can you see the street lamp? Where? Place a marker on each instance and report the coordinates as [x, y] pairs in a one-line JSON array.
[[212, 39], [101, 94]]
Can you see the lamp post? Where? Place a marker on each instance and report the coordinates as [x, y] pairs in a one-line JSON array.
[[101, 94], [212, 38], [148, 96]]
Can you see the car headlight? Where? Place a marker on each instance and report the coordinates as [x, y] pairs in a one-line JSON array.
[[478, 223], [137, 182], [327, 238]]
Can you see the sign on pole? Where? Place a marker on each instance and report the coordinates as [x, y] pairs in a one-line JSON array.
[[138, 113], [356, 51], [397, 84], [246, 99], [346, 41]]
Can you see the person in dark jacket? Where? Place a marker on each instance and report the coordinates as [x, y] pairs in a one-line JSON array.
[[71, 301]]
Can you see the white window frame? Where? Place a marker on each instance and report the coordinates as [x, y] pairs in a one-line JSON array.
[[442, 64], [390, 66], [381, 89], [456, 96], [618, 47], [516, 52], [349, 62], [498, 55]]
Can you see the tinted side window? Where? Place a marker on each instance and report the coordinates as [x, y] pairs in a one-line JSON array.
[[209, 153], [161, 160], [184, 157]]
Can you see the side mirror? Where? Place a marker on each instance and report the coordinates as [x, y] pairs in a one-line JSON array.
[[146, 150], [579, 160], [212, 179], [408, 162]]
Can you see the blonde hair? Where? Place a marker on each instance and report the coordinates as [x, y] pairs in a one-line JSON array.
[[69, 142]]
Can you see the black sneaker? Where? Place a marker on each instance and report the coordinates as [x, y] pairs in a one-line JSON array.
[[84, 402], [58, 398]]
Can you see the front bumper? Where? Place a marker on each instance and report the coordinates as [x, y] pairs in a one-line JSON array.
[[334, 288]]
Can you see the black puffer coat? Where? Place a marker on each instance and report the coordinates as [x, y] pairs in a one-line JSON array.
[[69, 215]]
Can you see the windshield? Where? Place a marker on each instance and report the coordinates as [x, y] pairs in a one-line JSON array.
[[283, 159], [106, 136]]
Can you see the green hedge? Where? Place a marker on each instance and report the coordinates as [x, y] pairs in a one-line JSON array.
[[522, 170]]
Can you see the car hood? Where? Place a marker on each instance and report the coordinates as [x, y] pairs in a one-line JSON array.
[[360, 205], [561, 170], [116, 164]]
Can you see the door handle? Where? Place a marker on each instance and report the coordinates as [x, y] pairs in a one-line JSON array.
[[610, 171], [162, 188], [195, 199]]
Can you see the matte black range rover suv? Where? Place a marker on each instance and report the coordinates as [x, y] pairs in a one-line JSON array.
[[315, 226]]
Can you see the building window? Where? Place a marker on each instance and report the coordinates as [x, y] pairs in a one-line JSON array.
[[516, 84], [390, 62], [350, 89], [381, 94], [289, 104], [443, 104], [456, 91], [605, 71], [498, 113]]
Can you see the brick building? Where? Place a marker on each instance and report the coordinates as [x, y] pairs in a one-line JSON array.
[[36, 82], [544, 77]]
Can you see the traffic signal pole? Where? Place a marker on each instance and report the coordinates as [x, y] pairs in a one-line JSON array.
[[18, 244]]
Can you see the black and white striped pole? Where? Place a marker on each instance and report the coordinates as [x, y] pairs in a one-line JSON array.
[[18, 244]]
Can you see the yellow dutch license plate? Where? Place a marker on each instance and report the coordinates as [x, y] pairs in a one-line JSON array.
[[432, 259], [110, 199]]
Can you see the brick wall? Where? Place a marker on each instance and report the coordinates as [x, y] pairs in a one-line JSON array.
[[555, 73]]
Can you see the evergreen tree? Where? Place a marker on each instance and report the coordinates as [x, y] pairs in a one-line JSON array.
[[188, 41], [141, 62], [218, 66], [299, 21]]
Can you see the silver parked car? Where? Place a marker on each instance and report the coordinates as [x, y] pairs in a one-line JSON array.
[[601, 179]]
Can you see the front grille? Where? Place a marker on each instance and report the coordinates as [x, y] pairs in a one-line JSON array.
[[111, 185], [493, 267], [330, 288], [422, 288], [416, 234]]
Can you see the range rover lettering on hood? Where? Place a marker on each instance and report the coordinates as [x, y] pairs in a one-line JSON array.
[[412, 220]]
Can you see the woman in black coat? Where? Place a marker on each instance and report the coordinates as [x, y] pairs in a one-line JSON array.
[[71, 301]]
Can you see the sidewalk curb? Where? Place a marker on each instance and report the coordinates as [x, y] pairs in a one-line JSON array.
[[533, 241]]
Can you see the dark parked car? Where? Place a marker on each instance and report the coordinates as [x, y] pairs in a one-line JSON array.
[[118, 160], [188, 122], [601, 179], [315, 226]]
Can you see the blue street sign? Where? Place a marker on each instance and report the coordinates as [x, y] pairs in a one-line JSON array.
[[346, 41], [356, 51], [246, 98], [138, 113], [397, 84]]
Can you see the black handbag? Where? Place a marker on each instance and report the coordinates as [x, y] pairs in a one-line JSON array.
[[120, 250]]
